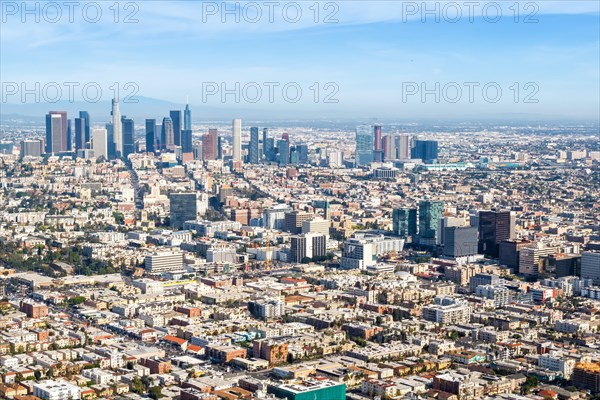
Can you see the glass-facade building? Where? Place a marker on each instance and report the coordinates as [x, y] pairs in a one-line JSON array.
[[426, 150], [186, 135], [332, 391], [86, 115], [405, 221], [364, 145], [430, 213], [80, 141], [128, 135], [176, 118], [150, 136], [254, 151]]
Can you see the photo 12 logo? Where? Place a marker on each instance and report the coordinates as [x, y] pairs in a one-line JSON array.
[[471, 92], [271, 92], [53, 92], [54, 12], [457, 11], [255, 12]]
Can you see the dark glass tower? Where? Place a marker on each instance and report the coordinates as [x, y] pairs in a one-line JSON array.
[[254, 153], [186, 135], [176, 118], [151, 136], [85, 115], [128, 134], [426, 150], [405, 221], [430, 213], [80, 142], [495, 227]]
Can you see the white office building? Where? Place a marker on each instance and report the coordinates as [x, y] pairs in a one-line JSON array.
[[56, 390], [100, 142], [158, 263]]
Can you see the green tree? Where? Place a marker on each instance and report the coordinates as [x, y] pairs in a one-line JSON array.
[[155, 392]]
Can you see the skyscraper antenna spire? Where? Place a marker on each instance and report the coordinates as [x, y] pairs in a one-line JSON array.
[[187, 99]]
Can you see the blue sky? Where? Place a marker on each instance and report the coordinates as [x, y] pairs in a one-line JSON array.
[[374, 52]]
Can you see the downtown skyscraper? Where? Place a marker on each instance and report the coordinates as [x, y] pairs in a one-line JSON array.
[[167, 134], [186, 134], [128, 135], [57, 135], [430, 212], [177, 120], [364, 145], [254, 151], [117, 128], [237, 139], [377, 144], [150, 135], [86, 115], [80, 137], [210, 145], [495, 226]]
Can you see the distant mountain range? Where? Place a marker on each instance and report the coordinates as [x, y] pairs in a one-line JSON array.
[[147, 107]]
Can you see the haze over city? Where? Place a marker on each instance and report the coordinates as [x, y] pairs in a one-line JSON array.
[[329, 200]]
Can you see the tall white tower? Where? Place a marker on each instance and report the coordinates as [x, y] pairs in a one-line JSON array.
[[100, 143], [237, 139], [117, 128]]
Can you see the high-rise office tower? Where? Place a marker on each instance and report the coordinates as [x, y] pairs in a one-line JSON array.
[[128, 135], [308, 245], [151, 136], [186, 134], [460, 241], [590, 266], [80, 141], [429, 214], [389, 147], [265, 135], [446, 222], [377, 144], [294, 219], [110, 141], [404, 221], [56, 132], [364, 145], [186, 207], [237, 139], [254, 153], [270, 150], [86, 115], [32, 148], [403, 147], [117, 129], [176, 118], [167, 134], [210, 143], [69, 136], [198, 150], [100, 143], [283, 147], [294, 159], [494, 227], [219, 148], [284, 151], [302, 150], [426, 150]]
